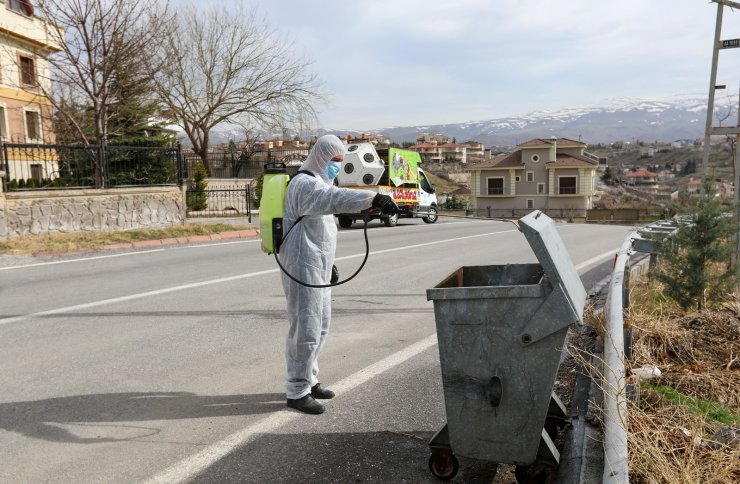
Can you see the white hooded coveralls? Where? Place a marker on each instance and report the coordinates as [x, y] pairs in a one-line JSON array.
[[307, 253]]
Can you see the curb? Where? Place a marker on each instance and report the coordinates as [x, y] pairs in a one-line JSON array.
[[230, 235]]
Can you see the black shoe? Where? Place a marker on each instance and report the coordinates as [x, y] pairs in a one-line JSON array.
[[323, 393], [306, 405]]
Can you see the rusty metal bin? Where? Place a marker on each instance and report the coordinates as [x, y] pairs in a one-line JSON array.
[[501, 330]]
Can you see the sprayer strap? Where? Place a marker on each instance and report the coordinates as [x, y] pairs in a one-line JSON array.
[[301, 217]]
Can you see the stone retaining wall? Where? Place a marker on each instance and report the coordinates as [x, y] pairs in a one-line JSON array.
[[89, 210]]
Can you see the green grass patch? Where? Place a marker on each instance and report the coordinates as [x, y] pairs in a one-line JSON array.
[[58, 243], [711, 410]]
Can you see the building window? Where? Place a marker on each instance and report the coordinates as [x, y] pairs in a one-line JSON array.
[[530, 176], [518, 178], [495, 186], [535, 158], [28, 71], [19, 6], [530, 203], [540, 188], [33, 125], [567, 185], [37, 172]]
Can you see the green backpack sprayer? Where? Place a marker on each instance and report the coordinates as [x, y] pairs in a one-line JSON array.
[[274, 188]]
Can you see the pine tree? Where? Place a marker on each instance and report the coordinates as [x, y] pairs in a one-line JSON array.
[[696, 267], [607, 176], [197, 199]]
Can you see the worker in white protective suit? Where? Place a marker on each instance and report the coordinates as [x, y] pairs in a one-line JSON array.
[[307, 253]]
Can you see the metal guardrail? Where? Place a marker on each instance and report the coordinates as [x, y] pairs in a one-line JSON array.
[[616, 469], [615, 400]]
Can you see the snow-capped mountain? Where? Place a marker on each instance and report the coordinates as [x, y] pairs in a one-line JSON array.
[[667, 119], [614, 119]]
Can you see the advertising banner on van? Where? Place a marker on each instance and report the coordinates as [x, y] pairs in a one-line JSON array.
[[402, 166]]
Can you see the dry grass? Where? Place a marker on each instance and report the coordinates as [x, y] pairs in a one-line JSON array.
[[668, 444], [58, 243], [672, 420]]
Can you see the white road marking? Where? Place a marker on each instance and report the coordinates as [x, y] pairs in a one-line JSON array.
[[197, 463], [81, 259], [597, 259], [125, 254], [209, 282]]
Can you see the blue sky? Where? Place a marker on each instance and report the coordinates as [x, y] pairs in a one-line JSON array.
[[412, 62]]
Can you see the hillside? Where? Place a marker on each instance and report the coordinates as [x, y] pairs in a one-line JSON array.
[[666, 119], [720, 162]]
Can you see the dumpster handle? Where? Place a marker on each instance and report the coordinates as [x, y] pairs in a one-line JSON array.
[[495, 390]]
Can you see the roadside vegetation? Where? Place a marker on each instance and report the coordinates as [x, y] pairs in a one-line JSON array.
[[684, 425], [683, 378], [57, 243]]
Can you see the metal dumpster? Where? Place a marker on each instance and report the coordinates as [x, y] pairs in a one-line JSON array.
[[501, 330]]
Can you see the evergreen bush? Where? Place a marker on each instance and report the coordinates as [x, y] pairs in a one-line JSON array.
[[197, 199], [696, 266], [258, 182]]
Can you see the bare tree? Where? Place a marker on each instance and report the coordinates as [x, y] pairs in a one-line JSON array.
[[101, 40], [226, 66]]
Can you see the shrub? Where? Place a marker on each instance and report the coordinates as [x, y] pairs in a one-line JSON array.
[[197, 199], [696, 263], [258, 182]]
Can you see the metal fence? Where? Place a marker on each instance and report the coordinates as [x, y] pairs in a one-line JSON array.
[[627, 215], [227, 202], [238, 164], [515, 213], [38, 167]]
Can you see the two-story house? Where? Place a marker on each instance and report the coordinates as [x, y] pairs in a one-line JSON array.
[[25, 111], [553, 175]]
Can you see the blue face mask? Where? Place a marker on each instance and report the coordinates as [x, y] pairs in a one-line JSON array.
[[333, 169]]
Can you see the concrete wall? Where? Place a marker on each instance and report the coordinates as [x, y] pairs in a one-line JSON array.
[[89, 210]]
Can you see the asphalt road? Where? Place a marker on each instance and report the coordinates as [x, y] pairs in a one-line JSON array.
[[167, 365]]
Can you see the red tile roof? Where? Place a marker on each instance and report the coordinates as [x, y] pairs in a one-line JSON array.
[[534, 142], [563, 159], [512, 159], [541, 141], [641, 173]]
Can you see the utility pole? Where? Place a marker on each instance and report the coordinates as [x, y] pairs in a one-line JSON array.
[[710, 130]]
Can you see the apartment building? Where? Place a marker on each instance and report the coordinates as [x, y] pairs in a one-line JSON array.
[[25, 111], [441, 153]]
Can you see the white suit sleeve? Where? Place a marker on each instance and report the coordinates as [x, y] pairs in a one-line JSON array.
[[313, 197]]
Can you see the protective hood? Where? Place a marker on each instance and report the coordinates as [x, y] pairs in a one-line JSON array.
[[326, 148]]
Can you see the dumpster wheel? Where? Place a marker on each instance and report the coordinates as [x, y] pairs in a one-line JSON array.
[[532, 474], [443, 464]]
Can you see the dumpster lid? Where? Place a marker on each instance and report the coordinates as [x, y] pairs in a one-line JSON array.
[[543, 237]]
